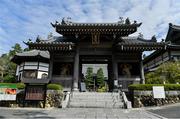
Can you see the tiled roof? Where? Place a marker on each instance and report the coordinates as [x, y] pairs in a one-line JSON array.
[[122, 28], [173, 29], [30, 56], [34, 53], [138, 43], [52, 43]]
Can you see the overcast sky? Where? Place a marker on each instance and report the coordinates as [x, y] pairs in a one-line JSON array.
[[24, 19]]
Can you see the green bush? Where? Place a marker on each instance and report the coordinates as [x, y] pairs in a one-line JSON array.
[[54, 87], [149, 86], [20, 85], [9, 79], [103, 89]]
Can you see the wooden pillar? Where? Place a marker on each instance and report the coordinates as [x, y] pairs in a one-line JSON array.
[[142, 81], [76, 70], [51, 65], [115, 68]]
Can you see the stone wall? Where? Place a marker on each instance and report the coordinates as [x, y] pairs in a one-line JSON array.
[[145, 98], [53, 99]]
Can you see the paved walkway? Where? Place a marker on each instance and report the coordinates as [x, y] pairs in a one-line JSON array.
[[76, 113]]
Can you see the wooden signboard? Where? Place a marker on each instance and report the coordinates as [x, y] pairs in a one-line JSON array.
[[34, 92]]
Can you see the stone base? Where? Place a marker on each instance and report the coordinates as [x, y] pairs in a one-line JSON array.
[[75, 90]]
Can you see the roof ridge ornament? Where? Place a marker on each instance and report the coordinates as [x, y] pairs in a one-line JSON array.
[[121, 21], [38, 39], [50, 35], [140, 35], [66, 21], [153, 39], [127, 21]]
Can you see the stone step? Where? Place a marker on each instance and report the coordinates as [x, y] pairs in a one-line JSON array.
[[95, 100], [94, 94], [98, 105]]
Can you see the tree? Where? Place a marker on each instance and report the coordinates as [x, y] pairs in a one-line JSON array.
[[100, 78], [168, 72], [8, 68], [89, 78]]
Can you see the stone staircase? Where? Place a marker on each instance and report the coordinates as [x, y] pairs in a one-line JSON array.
[[95, 100]]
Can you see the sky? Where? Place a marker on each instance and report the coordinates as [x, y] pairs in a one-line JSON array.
[[21, 20]]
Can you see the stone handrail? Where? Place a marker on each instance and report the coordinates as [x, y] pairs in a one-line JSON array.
[[127, 104], [66, 99]]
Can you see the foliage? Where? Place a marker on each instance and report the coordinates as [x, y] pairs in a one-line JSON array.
[[20, 85], [8, 68], [89, 78], [54, 87], [100, 78], [103, 88], [9, 79], [149, 86], [169, 72]]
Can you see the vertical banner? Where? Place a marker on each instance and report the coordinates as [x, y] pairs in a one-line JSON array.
[[8, 92]]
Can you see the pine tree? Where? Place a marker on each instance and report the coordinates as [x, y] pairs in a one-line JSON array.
[[89, 78], [100, 77]]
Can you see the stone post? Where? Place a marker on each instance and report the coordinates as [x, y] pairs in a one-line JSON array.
[[142, 81]]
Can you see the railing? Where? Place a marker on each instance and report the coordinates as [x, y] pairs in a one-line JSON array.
[[66, 99], [127, 104], [35, 80], [126, 81]]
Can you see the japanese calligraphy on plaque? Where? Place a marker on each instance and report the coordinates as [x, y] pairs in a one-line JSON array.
[[95, 39]]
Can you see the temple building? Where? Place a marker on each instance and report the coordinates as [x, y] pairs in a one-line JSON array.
[[95, 43], [170, 53]]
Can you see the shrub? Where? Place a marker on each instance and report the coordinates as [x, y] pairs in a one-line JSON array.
[[103, 89], [20, 85], [149, 86], [9, 79], [54, 87]]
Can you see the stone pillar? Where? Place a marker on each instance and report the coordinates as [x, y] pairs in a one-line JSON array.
[[51, 65], [142, 81], [76, 70]]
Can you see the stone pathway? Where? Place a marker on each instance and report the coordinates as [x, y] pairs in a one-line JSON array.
[[76, 113]]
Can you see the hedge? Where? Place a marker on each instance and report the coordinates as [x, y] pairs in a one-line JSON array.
[[22, 86], [149, 86], [54, 87]]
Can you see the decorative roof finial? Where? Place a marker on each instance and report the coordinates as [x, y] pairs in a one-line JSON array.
[[154, 38], [50, 35], [121, 21], [38, 39], [66, 21], [127, 21], [140, 35]]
